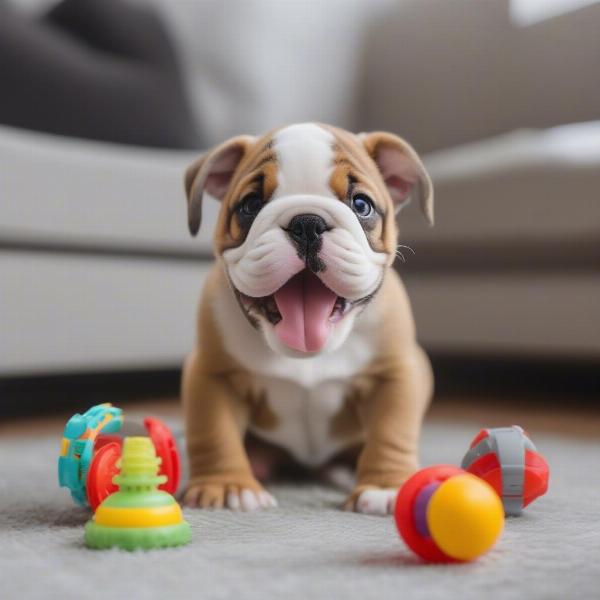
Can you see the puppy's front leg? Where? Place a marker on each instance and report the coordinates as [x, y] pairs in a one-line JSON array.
[[220, 473], [392, 415]]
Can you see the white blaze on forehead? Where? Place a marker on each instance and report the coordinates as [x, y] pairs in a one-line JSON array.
[[305, 160]]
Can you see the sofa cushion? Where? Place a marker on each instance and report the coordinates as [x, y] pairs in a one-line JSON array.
[[532, 313], [58, 190], [252, 65], [516, 197], [445, 73], [73, 313]]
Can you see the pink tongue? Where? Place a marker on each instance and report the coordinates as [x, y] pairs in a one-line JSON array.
[[305, 305]]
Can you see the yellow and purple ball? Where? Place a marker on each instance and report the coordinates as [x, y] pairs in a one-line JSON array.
[[445, 514]]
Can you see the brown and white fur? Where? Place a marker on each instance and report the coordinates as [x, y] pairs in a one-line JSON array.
[[367, 382]]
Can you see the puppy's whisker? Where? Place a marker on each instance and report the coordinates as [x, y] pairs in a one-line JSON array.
[[399, 253], [407, 247]]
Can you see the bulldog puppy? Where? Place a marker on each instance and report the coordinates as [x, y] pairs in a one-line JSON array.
[[305, 333]]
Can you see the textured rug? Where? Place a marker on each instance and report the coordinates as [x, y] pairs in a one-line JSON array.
[[304, 549]]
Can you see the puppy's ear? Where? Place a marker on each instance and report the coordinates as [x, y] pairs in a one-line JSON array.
[[401, 169], [212, 173]]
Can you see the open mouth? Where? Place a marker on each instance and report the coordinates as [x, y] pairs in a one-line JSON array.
[[302, 311]]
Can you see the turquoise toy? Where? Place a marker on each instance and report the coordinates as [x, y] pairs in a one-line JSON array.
[[77, 446]]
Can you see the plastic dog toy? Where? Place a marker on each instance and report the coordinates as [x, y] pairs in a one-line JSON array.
[[139, 515], [506, 458], [91, 447], [445, 514]]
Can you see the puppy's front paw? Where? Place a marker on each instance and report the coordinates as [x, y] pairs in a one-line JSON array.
[[372, 501], [246, 497], [248, 500]]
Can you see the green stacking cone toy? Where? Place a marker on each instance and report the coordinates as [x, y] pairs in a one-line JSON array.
[[139, 515]]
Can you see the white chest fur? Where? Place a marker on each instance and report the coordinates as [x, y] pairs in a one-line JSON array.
[[304, 417], [304, 393]]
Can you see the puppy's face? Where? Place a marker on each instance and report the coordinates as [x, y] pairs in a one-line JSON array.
[[307, 225]]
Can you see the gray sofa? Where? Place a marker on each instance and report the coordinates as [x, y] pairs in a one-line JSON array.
[[506, 115], [98, 271]]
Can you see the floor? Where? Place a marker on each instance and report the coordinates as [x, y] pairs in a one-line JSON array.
[[580, 419], [308, 548]]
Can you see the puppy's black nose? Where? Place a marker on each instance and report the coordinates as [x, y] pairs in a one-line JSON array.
[[306, 230]]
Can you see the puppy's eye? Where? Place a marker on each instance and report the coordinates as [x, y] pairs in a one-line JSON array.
[[251, 205], [362, 205]]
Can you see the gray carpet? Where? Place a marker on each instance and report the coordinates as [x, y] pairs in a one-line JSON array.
[[306, 548]]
